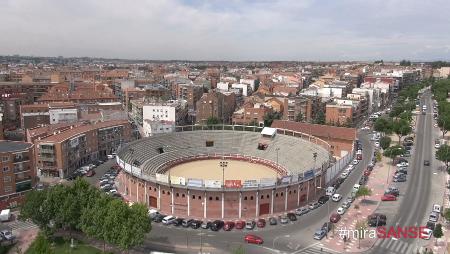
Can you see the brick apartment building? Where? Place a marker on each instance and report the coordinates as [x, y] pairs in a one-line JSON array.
[[220, 105], [69, 147], [251, 113], [189, 92], [147, 91], [17, 172]]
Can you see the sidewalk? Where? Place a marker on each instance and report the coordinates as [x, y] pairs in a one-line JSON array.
[[377, 183]]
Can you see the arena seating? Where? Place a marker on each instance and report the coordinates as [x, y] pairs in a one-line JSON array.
[[294, 154]]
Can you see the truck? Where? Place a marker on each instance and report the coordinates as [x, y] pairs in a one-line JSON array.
[[5, 215]]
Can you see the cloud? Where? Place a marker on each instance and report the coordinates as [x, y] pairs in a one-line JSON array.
[[228, 30]]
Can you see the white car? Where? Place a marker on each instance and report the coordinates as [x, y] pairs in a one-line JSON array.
[[113, 191], [356, 187], [355, 162], [341, 210], [377, 144], [437, 146], [110, 156], [336, 197], [7, 235], [350, 168], [426, 234], [403, 164], [436, 208], [344, 174]]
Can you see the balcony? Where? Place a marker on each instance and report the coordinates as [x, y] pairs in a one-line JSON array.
[[21, 159], [50, 159], [22, 178], [50, 151]]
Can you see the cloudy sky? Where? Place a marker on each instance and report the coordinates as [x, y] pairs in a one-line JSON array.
[[228, 29]]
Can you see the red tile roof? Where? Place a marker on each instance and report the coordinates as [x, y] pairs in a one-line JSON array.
[[317, 130]]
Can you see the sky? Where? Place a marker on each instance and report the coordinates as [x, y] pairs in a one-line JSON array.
[[233, 30]]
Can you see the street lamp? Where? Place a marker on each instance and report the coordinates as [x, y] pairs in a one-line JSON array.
[[223, 165]]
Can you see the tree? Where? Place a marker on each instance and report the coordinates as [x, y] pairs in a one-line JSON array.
[[405, 63], [385, 142], [447, 214], [443, 154], [93, 220], [361, 227], [437, 232], [212, 120], [383, 125], [134, 227], [393, 152], [444, 123], [37, 208], [270, 116], [299, 117], [401, 128], [406, 115], [363, 192], [41, 245], [320, 117]]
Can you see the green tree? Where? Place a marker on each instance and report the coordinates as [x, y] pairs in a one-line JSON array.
[[401, 128], [443, 154], [444, 123], [407, 116], [37, 208], [270, 116], [385, 142], [363, 192], [447, 214], [212, 120], [93, 220], [383, 125], [393, 152], [405, 63], [320, 117], [134, 228], [437, 232], [299, 117], [41, 245]]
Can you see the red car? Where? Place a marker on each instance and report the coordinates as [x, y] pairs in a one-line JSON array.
[[240, 224], [229, 225], [253, 239], [261, 223], [335, 217], [388, 197], [367, 172], [90, 173]]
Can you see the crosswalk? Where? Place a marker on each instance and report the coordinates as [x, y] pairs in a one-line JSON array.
[[20, 225], [316, 249], [390, 246]]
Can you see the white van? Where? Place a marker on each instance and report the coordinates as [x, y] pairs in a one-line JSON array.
[[436, 208], [330, 191], [356, 187], [168, 220]]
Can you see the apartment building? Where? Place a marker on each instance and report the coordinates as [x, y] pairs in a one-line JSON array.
[[220, 105], [61, 152], [17, 174]]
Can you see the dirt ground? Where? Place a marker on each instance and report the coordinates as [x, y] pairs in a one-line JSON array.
[[210, 169]]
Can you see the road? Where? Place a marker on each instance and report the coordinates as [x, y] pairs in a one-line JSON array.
[[290, 238], [416, 193]]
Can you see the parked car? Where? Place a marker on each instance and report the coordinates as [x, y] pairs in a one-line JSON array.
[[291, 216], [196, 224], [426, 234], [336, 197], [327, 226], [206, 225], [7, 235], [335, 217], [260, 223], [431, 225], [216, 225], [319, 234], [302, 210], [240, 224], [313, 206], [341, 210], [367, 172], [388, 197], [178, 222], [436, 208], [344, 174], [187, 223], [250, 224], [434, 217], [363, 180], [284, 220], [393, 192], [399, 178], [356, 187], [158, 218], [376, 219], [272, 221], [355, 162], [229, 225], [253, 239], [350, 199], [403, 164], [401, 171], [322, 200], [346, 204], [168, 220]]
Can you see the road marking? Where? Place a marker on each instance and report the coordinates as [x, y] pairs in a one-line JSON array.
[[310, 246]]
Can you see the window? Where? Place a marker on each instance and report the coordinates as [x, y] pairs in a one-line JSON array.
[[217, 198], [276, 195], [8, 189], [164, 192], [193, 196], [251, 197], [295, 191], [5, 169], [168, 193], [199, 197], [281, 193], [210, 198], [7, 179], [245, 198], [267, 196], [178, 194], [262, 196], [5, 159], [182, 195], [290, 192]]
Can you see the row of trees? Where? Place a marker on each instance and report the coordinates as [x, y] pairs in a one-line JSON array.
[[440, 90], [83, 208]]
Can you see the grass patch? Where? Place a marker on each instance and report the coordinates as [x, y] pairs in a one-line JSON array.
[[62, 246]]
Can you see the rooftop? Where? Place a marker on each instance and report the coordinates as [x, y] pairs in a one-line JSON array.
[[13, 146]]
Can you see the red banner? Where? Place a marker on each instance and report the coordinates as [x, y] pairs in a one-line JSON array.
[[233, 184]]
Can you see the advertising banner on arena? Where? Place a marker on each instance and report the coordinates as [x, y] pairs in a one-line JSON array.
[[233, 184], [162, 178], [265, 182], [308, 174], [250, 184], [300, 177], [213, 184], [286, 179], [192, 182], [177, 180]]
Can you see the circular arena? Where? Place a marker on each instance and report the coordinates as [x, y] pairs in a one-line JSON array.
[[224, 172]]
